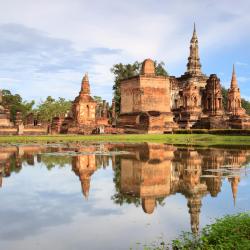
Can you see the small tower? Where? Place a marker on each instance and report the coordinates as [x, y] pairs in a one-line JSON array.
[[213, 96], [85, 88], [234, 99], [234, 185], [84, 166], [85, 183], [194, 65], [194, 205], [113, 115], [84, 106], [148, 67], [4, 113]]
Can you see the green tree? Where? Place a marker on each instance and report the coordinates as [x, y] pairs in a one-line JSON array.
[[224, 95], [160, 69], [50, 108], [15, 104], [98, 99], [50, 161], [124, 71], [246, 105]]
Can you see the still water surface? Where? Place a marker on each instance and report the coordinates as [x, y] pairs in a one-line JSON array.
[[113, 196]]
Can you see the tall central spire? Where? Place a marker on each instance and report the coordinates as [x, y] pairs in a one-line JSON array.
[[194, 32], [85, 89], [194, 65], [234, 83]]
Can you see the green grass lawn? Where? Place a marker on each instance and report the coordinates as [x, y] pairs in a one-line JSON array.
[[178, 139]]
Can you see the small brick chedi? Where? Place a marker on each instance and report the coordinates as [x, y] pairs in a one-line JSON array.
[[84, 106], [87, 116], [157, 104]]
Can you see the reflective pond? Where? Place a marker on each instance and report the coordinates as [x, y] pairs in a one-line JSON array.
[[115, 196]]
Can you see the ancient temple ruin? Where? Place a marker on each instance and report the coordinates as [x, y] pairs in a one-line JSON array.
[[17, 126], [145, 102], [87, 115], [4, 114], [158, 104]]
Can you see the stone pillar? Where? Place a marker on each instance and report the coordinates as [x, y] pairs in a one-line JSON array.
[[18, 119], [56, 125], [20, 129], [113, 112]]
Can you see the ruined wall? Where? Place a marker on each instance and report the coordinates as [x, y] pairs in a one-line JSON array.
[[142, 93], [84, 111], [27, 130], [130, 95], [155, 93]]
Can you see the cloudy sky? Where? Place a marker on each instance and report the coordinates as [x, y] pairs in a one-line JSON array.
[[47, 45]]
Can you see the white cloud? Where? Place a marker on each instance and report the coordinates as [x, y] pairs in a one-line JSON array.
[[241, 64], [71, 30]]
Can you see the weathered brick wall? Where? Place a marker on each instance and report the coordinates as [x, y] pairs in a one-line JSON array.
[[129, 119], [144, 93], [155, 93], [240, 123], [35, 130], [130, 97], [86, 113], [102, 121], [8, 130], [27, 130]]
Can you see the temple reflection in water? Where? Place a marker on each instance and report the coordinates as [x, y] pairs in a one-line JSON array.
[[145, 175]]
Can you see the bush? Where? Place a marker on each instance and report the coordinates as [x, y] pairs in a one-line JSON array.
[[191, 131], [230, 232], [229, 131], [213, 131]]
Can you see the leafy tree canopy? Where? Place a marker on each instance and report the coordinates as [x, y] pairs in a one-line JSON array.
[[15, 104], [98, 99], [50, 108]]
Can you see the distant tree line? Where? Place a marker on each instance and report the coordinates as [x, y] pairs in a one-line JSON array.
[[45, 110], [51, 107], [15, 103]]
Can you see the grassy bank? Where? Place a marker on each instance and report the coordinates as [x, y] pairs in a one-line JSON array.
[[231, 233], [178, 139]]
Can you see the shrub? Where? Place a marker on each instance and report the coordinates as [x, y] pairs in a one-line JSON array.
[[229, 131], [213, 131], [191, 131], [230, 232]]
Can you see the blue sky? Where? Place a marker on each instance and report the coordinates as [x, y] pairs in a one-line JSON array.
[[47, 45]]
